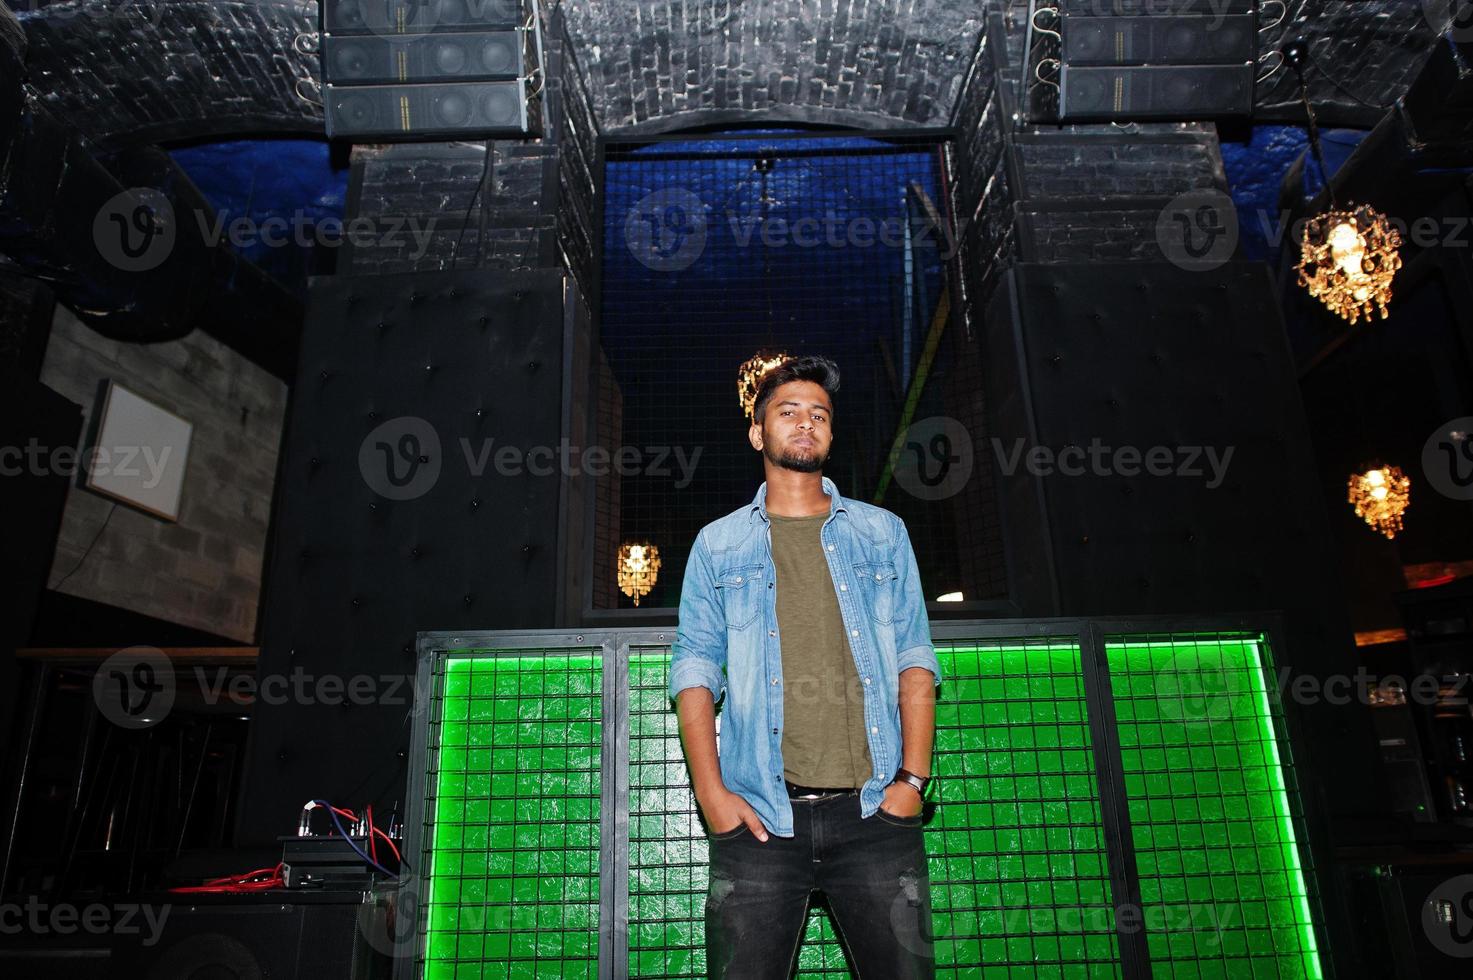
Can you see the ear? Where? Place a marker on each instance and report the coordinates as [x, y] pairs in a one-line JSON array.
[[754, 435]]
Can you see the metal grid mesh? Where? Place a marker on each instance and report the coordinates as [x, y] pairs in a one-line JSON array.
[[692, 286], [1019, 878], [667, 844], [1018, 869], [1213, 808], [512, 817], [1018, 860]]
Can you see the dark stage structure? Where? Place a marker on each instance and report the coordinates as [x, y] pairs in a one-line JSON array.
[[371, 368]]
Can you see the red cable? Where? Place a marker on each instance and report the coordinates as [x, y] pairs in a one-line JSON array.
[[238, 883], [388, 840], [372, 850]]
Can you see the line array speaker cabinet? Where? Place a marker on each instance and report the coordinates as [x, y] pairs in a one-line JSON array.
[[492, 55], [427, 69], [1149, 59], [420, 111], [1164, 9], [1158, 40], [1154, 92], [386, 17]]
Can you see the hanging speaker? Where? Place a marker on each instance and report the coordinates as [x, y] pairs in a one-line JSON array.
[[1158, 40], [1154, 92], [1161, 9], [368, 59], [395, 112], [418, 16], [429, 69]]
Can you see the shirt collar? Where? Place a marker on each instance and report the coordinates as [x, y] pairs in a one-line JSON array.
[[759, 502]]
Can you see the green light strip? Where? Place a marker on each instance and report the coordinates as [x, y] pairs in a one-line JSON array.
[[1289, 840], [1161, 687]]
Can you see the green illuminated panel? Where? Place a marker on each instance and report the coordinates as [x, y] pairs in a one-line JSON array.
[[1019, 879], [667, 843], [1019, 873], [1018, 870], [1212, 815], [513, 822]]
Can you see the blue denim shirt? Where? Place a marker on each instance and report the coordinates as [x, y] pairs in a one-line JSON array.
[[728, 619]]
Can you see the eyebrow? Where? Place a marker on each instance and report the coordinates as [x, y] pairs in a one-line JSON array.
[[818, 405]]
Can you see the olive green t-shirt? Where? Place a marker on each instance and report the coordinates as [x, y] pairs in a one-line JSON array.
[[823, 741]]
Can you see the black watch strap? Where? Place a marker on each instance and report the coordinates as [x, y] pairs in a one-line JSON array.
[[919, 782]]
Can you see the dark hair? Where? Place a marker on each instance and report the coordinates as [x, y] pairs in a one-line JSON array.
[[810, 367]]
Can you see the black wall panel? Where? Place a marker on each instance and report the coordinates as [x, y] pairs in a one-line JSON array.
[[34, 492], [400, 376], [1144, 355]]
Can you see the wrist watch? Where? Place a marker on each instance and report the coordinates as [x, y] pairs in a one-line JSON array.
[[919, 782]]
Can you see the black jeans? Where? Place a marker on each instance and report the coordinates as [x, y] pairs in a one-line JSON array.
[[873, 872]]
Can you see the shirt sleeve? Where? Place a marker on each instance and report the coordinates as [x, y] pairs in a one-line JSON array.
[[698, 654], [912, 626]]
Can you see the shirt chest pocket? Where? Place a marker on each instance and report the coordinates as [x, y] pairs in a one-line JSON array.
[[741, 598], [876, 581]]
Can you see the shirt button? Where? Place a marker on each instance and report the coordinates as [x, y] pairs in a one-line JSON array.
[[774, 680], [866, 680], [831, 547], [739, 578], [843, 588], [772, 632], [854, 632], [877, 578], [875, 731], [774, 731]]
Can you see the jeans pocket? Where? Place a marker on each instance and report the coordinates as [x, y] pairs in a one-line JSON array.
[[730, 834], [890, 818]]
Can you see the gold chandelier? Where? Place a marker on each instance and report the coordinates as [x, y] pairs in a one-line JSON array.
[[1347, 260], [1381, 495], [750, 376], [639, 567]]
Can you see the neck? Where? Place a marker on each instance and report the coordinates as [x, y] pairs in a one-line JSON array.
[[794, 494]]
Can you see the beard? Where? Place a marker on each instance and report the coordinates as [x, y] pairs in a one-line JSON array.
[[802, 460]]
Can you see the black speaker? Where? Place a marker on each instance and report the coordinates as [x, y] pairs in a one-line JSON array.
[[1160, 9], [256, 937], [426, 57], [1438, 102], [413, 495], [411, 111], [1154, 92], [428, 69], [418, 16], [1158, 40]]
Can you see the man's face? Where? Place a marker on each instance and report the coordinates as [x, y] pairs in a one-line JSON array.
[[796, 430]]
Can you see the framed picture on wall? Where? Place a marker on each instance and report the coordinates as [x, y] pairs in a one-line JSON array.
[[140, 453]]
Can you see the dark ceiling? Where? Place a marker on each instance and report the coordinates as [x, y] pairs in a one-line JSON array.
[[221, 82]]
